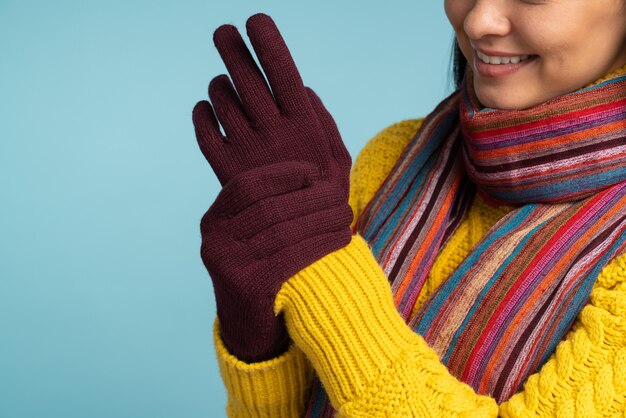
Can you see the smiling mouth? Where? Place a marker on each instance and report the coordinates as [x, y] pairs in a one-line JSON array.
[[495, 67], [495, 60]]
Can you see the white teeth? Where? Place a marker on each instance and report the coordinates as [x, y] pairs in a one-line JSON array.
[[501, 60]]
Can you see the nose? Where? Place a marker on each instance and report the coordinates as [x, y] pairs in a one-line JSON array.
[[487, 17]]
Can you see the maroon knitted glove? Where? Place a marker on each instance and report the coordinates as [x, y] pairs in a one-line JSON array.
[[290, 123], [268, 133], [265, 225]]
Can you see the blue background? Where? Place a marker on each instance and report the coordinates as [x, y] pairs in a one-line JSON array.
[[105, 307]]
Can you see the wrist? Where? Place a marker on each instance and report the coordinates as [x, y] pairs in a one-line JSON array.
[[249, 329]]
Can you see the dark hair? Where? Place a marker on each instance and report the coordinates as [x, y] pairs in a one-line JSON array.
[[458, 64]]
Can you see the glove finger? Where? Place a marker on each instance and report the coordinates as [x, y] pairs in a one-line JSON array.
[[338, 148], [330, 127], [255, 95], [289, 233], [277, 209], [210, 139], [283, 264], [228, 108], [279, 67], [246, 188]]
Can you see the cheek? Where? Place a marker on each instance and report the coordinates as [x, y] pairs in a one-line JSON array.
[[455, 12], [566, 48]]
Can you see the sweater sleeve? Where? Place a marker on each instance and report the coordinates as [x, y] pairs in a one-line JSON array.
[[375, 161], [279, 387], [272, 388], [340, 313]]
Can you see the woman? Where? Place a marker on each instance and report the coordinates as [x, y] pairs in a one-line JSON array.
[[485, 270]]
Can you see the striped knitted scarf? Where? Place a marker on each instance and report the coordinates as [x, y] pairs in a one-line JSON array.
[[562, 165]]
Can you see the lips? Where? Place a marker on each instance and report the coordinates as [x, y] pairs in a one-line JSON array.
[[499, 68]]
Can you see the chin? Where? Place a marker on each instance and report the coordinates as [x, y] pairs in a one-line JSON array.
[[499, 103], [504, 101]]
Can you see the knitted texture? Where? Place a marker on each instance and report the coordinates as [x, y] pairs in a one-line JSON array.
[[373, 366], [568, 392], [562, 150], [259, 389], [264, 226], [376, 160], [481, 217], [364, 354], [504, 310], [263, 126], [267, 234]]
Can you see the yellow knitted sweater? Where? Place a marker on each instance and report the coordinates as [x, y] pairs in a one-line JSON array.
[[340, 314]]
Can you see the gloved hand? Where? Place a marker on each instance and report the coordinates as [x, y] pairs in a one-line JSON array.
[[288, 123], [273, 227], [265, 225]]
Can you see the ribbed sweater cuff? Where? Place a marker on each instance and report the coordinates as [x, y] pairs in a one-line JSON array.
[[340, 312], [272, 388]]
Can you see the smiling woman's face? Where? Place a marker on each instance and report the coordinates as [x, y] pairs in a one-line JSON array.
[[537, 49]]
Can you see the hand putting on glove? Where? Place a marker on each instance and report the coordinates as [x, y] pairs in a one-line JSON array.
[[285, 176]]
